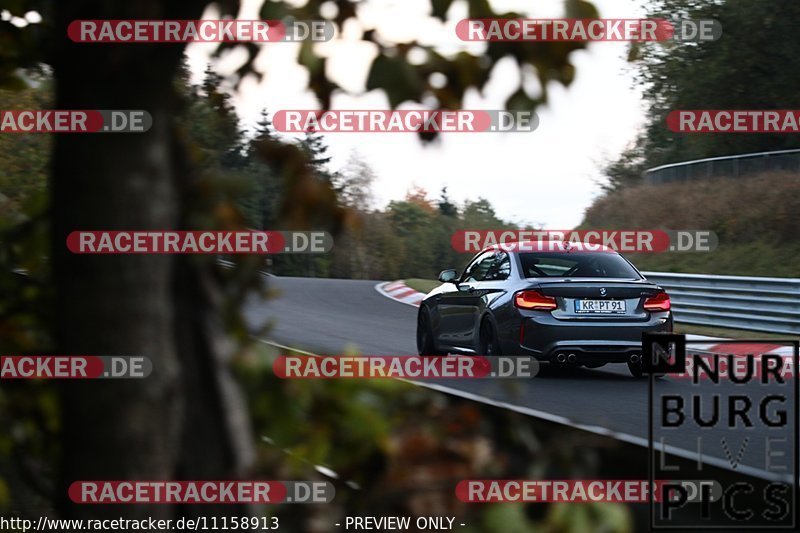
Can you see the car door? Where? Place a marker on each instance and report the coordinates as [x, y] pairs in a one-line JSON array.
[[460, 307], [453, 306], [493, 282]]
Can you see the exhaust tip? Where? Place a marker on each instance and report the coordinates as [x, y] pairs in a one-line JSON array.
[[571, 358], [561, 358], [635, 358]]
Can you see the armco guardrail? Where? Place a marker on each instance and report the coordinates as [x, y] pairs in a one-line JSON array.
[[731, 166], [757, 304]]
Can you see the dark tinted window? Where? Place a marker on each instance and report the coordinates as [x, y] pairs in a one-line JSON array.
[[489, 266], [576, 265]]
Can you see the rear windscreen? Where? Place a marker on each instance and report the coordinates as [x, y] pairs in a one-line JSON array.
[[576, 265]]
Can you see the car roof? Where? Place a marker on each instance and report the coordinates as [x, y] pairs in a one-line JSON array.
[[549, 246]]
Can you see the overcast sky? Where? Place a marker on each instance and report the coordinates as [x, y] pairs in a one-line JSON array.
[[547, 177]]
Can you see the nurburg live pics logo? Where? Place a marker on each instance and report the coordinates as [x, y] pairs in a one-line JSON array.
[[738, 427]]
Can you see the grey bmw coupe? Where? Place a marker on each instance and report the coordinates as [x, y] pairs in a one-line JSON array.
[[561, 303]]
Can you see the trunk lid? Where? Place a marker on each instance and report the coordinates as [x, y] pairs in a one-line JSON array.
[[599, 298]]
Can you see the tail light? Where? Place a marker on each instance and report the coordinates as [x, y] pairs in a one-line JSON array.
[[534, 300], [659, 302]]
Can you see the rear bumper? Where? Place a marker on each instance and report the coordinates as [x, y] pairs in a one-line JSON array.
[[544, 337]]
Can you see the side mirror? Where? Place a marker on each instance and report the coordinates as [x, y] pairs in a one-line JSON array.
[[448, 276]]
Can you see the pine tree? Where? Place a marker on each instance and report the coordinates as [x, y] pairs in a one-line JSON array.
[[260, 205], [446, 207], [317, 149], [264, 128], [213, 122]]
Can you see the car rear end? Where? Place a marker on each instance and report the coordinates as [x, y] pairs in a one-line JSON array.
[[588, 314]]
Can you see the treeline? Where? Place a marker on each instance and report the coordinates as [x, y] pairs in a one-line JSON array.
[[754, 65], [407, 238], [242, 185]]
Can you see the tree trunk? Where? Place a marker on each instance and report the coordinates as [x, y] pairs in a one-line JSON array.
[[186, 419]]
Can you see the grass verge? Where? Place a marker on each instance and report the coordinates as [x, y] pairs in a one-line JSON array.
[[422, 285]]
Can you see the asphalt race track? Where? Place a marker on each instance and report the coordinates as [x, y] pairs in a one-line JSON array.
[[330, 317]]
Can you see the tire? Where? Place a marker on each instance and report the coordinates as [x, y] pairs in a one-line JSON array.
[[489, 345], [637, 371], [425, 344]]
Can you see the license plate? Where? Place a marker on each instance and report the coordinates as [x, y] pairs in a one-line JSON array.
[[599, 306]]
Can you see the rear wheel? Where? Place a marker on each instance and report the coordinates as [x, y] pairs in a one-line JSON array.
[[637, 370], [489, 344], [425, 344]]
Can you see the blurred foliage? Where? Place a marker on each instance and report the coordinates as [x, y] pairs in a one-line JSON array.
[[592, 516], [28, 410], [392, 446], [386, 460], [404, 80], [755, 65], [359, 435], [24, 158], [24, 47]]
